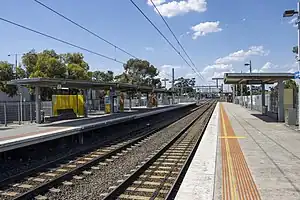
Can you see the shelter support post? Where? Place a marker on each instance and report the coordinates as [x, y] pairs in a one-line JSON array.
[[242, 95], [251, 98], [85, 94], [130, 101], [38, 104], [263, 96], [147, 100], [280, 101], [233, 94]]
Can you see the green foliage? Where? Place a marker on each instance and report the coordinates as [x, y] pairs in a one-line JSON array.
[[20, 73], [246, 90], [122, 78], [7, 74], [103, 76], [140, 72], [185, 85], [290, 84], [49, 64], [76, 72]]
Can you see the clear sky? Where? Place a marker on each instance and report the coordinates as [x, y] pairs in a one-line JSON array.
[[220, 36]]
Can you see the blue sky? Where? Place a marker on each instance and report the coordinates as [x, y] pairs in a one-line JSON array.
[[230, 33]]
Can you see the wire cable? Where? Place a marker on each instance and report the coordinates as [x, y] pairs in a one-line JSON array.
[[60, 40], [82, 27], [174, 36], [164, 36]]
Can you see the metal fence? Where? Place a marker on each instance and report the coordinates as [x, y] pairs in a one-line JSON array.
[[17, 112], [21, 112]]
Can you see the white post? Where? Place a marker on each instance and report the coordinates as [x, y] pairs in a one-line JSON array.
[[298, 24]]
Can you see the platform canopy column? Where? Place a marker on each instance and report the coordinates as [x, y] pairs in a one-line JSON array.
[[38, 104], [85, 95], [242, 94], [263, 96], [280, 101]]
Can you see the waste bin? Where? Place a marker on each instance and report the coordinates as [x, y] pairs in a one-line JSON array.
[[264, 110]]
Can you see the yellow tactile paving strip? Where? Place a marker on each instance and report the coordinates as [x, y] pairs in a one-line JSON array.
[[237, 181]]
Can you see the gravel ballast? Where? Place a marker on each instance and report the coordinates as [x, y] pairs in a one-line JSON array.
[[94, 186]]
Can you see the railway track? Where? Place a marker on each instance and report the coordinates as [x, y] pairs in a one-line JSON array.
[[30, 185], [160, 175]]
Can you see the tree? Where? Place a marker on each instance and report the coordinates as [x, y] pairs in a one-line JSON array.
[[29, 60], [290, 84], [75, 58], [122, 78], [103, 76], [140, 72], [185, 85], [20, 73], [7, 74], [246, 90]]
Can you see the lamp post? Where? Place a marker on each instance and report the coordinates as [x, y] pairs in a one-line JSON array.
[[250, 69], [290, 13], [16, 63]]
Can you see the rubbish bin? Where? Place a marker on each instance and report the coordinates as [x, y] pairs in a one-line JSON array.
[[264, 110]]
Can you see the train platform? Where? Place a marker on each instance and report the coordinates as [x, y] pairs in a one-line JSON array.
[[244, 155], [17, 136]]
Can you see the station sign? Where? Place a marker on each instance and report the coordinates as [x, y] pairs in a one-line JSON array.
[[297, 75]]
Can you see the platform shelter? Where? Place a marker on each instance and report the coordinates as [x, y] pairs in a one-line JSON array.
[[261, 79], [83, 85]]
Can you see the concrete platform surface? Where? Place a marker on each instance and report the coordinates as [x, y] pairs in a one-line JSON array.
[[198, 182], [23, 135], [255, 158]]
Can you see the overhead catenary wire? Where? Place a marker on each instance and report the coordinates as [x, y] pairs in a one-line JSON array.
[[60, 40], [137, 7], [175, 37], [82, 27]]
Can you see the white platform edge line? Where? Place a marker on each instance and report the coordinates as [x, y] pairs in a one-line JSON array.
[[199, 181]]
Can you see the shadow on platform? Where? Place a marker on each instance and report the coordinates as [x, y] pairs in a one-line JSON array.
[[265, 118], [5, 128]]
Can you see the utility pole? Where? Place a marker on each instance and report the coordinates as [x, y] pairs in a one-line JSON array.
[[173, 80], [164, 94], [165, 81], [16, 63], [291, 13]]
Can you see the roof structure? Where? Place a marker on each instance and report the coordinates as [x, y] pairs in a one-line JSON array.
[[82, 84], [256, 78]]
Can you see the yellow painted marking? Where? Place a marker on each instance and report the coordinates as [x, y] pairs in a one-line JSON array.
[[232, 178], [232, 137]]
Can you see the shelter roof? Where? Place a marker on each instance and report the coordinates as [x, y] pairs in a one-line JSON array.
[[82, 84], [256, 78]]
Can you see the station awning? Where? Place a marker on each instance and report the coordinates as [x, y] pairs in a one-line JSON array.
[[256, 78], [82, 84]]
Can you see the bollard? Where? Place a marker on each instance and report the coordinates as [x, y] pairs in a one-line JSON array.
[[5, 116]]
